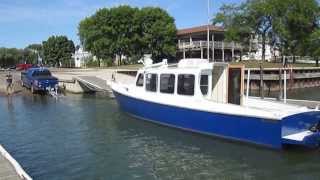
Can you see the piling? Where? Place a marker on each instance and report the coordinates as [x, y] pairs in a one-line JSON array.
[[261, 82]]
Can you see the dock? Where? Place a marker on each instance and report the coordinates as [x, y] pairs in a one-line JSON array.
[[91, 80], [10, 169], [93, 83]]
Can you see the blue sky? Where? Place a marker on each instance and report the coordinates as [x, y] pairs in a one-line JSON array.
[[24, 22]]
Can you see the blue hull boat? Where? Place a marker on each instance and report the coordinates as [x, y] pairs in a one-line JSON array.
[[261, 122]]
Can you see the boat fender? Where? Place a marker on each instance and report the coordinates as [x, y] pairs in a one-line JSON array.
[[315, 128]]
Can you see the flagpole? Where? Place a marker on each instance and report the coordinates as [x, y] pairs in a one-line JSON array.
[[208, 32]]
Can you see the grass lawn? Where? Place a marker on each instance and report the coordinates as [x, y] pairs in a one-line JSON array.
[[127, 67]]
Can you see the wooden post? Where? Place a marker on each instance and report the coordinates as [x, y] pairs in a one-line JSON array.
[[285, 87], [280, 84], [248, 86], [222, 51], [201, 49], [232, 50], [184, 51], [261, 82], [213, 47]]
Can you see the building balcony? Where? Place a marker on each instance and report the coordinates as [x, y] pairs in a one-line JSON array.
[[198, 45]]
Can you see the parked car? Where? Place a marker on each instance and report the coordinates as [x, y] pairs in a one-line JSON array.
[[23, 67], [39, 79]]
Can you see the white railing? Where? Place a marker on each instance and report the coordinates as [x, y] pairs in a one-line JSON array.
[[203, 44]]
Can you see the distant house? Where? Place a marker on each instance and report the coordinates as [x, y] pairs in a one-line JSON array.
[[81, 57], [192, 43]]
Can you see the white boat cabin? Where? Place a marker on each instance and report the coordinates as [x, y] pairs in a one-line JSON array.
[[196, 78]]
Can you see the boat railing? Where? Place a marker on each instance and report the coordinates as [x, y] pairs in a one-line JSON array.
[[283, 91], [164, 63], [204, 44]]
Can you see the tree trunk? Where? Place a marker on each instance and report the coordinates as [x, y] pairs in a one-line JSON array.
[[263, 47], [317, 61], [285, 61], [294, 59]]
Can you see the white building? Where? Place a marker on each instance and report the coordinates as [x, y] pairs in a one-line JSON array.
[[257, 54], [81, 57]]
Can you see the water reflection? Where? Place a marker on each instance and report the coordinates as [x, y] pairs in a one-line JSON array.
[[170, 153], [10, 109], [88, 137]]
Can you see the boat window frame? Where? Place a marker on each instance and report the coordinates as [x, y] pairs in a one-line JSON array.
[[156, 83], [178, 84], [202, 85], [174, 83], [138, 79]]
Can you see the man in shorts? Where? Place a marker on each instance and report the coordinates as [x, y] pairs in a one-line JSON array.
[[9, 81]]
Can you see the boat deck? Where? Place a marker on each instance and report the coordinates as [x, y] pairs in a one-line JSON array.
[[279, 108]]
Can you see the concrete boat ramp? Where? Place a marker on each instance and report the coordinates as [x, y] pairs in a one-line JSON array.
[[90, 80], [93, 83]]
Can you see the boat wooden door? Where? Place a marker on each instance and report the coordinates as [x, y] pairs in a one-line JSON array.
[[235, 84]]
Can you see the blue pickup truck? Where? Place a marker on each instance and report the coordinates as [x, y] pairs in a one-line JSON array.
[[39, 79]]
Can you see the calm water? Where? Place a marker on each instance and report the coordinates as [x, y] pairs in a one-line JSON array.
[[88, 137]]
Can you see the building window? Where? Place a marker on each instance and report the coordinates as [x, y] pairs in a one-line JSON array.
[[140, 80], [167, 83], [186, 84], [204, 84], [151, 82]]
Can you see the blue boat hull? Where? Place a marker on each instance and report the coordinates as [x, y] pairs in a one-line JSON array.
[[245, 129]]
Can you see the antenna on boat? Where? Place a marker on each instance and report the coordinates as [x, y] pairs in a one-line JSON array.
[[208, 32]]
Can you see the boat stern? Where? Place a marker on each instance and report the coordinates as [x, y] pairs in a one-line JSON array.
[[302, 129]]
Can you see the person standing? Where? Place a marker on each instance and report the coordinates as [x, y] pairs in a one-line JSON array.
[[9, 81]]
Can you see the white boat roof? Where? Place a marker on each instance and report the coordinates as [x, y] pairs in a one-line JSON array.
[[185, 65]]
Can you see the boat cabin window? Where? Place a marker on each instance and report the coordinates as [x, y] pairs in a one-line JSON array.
[[167, 83], [186, 84], [151, 82], [140, 80], [204, 84]]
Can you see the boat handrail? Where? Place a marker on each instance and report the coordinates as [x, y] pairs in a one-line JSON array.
[[164, 63]]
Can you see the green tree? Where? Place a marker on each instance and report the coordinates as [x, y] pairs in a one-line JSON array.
[[32, 53], [11, 56], [233, 18], [157, 34], [286, 23], [126, 31], [58, 50], [250, 18], [109, 32], [36, 47], [313, 46], [294, 22]]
